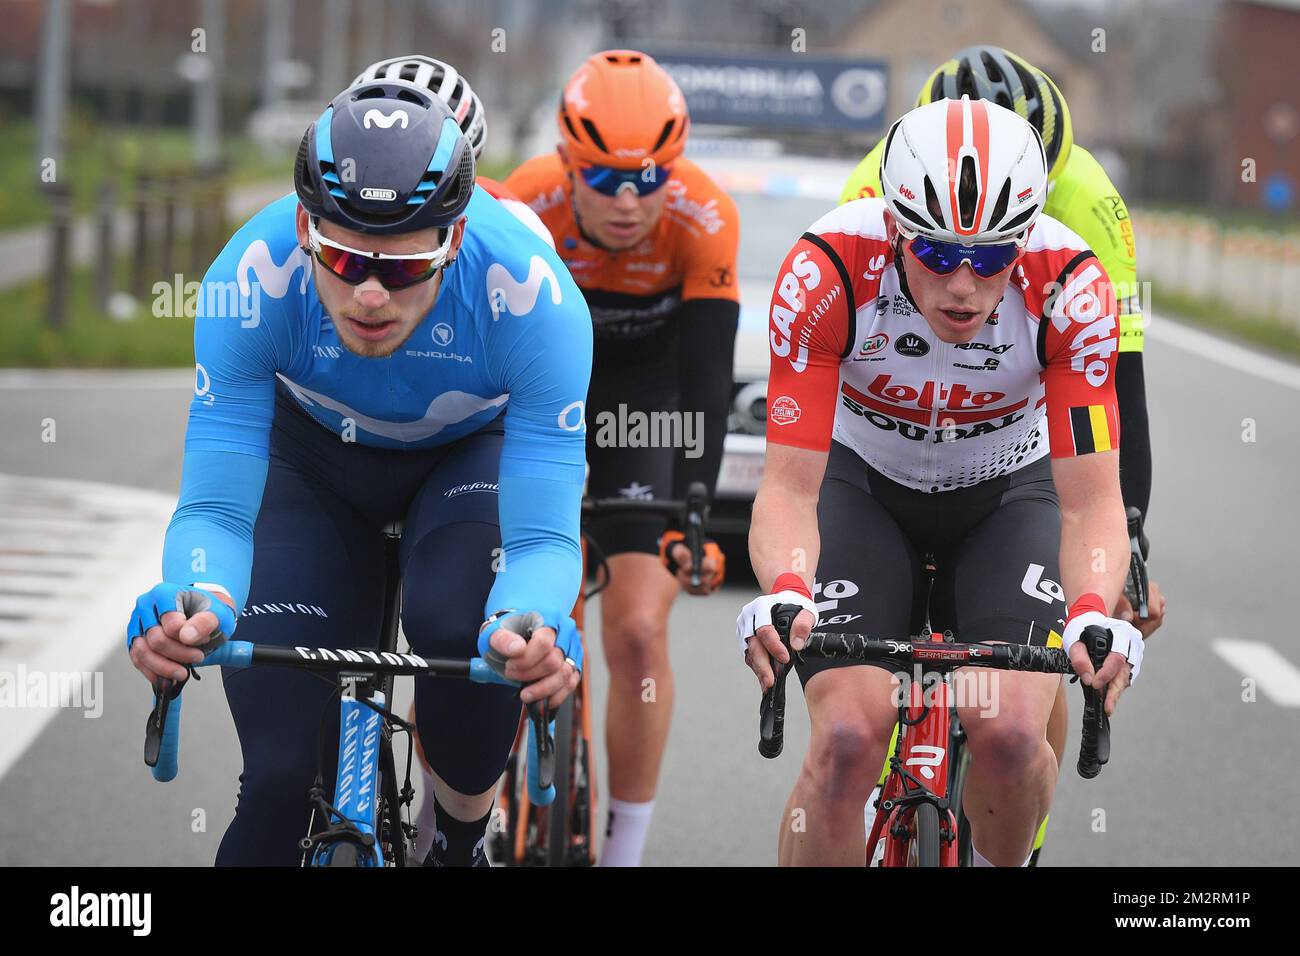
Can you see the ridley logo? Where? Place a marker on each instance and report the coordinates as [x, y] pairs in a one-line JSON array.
[[385, 121], [784, 411], [387, 195]]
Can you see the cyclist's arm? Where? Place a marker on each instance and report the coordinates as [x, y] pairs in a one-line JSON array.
[[1087, 201], [1135, 456], [708, 317], [801, 397], [1078, 344], [209, 541], [708, 344], [543, 359]]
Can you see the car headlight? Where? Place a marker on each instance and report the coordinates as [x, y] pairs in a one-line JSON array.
[[749, 409]]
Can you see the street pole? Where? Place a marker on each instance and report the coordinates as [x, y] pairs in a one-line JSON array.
[[276, 52], [206, 92], [334, 70], [52, 87]]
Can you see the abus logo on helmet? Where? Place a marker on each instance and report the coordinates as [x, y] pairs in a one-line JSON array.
[[386, 195], [385, 120]]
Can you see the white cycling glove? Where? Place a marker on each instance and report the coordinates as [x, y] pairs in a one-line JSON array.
[[1125, 638], [758, 612]]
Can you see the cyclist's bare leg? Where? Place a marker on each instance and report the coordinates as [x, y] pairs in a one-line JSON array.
[[634, 631], [852, 714], [464, 806], [1058, 723], [1013, 769]]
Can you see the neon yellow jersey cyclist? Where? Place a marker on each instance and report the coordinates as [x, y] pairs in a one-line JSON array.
[[1080, 194]]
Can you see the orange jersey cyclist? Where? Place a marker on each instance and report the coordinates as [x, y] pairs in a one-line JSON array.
[[942, 382], [651, 241]]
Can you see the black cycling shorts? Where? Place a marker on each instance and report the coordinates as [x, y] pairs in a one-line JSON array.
[[318, 580], [995, 545], [627, 389]]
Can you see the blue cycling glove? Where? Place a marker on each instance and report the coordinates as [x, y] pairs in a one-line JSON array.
[[567, 638], [189, 600]]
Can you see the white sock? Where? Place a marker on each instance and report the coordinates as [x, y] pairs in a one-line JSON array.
[[977, 858], [625, 836]]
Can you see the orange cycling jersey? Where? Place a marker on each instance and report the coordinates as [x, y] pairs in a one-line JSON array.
[[689, 254]]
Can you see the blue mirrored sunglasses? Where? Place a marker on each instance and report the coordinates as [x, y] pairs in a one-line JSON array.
[[944, 258], [608, 181]]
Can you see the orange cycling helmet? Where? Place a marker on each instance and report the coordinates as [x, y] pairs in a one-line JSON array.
[[621, 108]]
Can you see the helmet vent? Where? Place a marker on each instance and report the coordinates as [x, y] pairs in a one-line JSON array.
[[932, 205], [1000, 208], [663, 137], [1021, 219], [303, 182], [911, 216], [590, 127], [967, 193]]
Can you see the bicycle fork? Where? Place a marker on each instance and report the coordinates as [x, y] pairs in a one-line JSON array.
[[918, 774]]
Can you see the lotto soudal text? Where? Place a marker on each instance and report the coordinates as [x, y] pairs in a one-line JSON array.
[[75, 909]]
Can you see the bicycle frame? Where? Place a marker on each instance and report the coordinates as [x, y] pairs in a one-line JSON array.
[[918, 772], [356, 790]]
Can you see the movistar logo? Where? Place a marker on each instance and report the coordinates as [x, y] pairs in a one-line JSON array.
[[385, 121]]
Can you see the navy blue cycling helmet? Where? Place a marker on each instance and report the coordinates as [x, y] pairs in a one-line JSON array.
[[385, 157]]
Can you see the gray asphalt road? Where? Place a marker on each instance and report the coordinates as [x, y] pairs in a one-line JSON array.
[[1198, 776]]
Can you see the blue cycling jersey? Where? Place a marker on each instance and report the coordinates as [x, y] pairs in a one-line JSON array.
[[509, 329]]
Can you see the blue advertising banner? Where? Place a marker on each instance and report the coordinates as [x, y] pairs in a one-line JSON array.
[[775, 91]]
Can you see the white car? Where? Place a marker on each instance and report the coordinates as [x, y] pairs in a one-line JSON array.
[[778, 198]]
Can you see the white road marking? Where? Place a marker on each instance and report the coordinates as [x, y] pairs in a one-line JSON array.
[[1273, 674], [1227, 353], [63, 612], [166, 379]]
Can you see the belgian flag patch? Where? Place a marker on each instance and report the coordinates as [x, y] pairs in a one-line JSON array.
[[1093, 428]]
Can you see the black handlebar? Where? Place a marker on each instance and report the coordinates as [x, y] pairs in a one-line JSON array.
[[1094, 750], [691, 513]]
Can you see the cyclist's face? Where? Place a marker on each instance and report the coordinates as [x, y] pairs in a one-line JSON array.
[[619, 221], [371, 320], [955, 306]]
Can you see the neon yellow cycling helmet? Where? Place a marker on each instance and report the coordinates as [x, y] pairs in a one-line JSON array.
[[991, 73]]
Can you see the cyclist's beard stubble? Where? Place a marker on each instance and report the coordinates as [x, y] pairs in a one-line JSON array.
[[405, 317]]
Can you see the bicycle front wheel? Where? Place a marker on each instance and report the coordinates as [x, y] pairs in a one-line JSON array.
[[925, 835]]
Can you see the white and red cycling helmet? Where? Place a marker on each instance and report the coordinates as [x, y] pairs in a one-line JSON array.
[[964, 171]]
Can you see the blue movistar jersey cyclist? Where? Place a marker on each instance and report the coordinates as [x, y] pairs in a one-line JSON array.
[[509, 332]]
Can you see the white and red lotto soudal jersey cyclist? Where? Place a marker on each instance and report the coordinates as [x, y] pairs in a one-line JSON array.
[[852, 359]]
